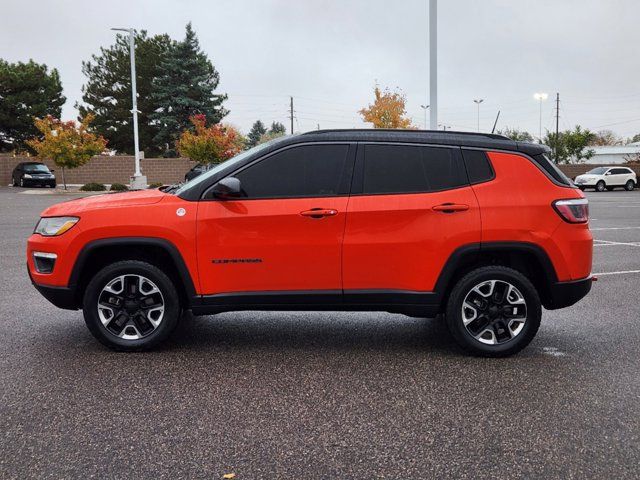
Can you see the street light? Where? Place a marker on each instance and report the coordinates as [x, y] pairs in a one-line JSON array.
[[138, 181], [540, 97], [425, 107], [433, 63], [478, 102]]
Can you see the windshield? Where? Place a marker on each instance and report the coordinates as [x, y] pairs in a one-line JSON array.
[[598, 171], [221, 166], [36, 168]]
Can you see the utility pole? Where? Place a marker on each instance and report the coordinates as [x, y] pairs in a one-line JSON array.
[[478, 101], [291, 115], [138, 181], [555, 144], [433, 63]]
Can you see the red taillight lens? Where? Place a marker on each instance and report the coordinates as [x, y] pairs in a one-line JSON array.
[[575, 210]]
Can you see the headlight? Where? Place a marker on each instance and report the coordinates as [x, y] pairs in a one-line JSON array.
[[53, 226], [26, 175]]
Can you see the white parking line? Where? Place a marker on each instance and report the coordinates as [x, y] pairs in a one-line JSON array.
[[614, 228], [622, 272], [607, 243]]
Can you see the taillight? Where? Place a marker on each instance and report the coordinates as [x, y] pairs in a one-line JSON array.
[[575, 210]]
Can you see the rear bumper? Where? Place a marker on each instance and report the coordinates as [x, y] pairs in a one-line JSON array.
[[565, 294]]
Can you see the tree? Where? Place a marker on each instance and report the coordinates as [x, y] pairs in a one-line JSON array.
[[270, 135], [68, 144], [517, 135], [387, 111], [257, 131], [27, 90], [107, 93], [634, 139], [605, 137], [185, 88], [278, 129], [209, 144], [571, 145]]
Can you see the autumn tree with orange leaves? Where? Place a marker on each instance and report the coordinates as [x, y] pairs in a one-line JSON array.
[[387, 111], [213, 144], [68, 144]]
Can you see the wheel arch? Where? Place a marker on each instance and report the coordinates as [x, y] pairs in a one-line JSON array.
[[162, 253], [527, 258]]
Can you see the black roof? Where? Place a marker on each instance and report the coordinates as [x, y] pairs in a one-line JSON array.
[[436, 137]]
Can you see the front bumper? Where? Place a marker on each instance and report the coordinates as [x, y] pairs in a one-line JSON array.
[[565, 294], [61, 297]]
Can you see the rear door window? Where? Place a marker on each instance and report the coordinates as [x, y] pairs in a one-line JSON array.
[[389, 169]]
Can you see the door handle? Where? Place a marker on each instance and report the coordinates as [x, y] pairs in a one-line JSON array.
[[450, 207], [319, 212]]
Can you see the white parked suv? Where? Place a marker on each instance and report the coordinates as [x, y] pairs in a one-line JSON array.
[[607, 178]]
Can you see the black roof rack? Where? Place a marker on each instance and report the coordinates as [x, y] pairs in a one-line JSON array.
[[493, 136]]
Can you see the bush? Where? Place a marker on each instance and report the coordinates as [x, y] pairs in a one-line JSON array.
[[156, 185], [118, 187], [93, 187]]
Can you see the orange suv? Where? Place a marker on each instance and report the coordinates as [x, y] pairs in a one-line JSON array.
[[477, 227]]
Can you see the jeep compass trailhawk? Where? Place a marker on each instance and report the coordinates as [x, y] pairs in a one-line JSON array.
[[482, 229]]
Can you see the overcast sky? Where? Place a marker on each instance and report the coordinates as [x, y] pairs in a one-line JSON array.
[[329, 55]]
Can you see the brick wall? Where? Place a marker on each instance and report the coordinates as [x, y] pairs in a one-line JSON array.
[[572, 171], [118, 169], [104, 169]]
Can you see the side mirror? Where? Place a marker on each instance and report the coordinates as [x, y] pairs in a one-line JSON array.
[[226, 188], [608, 173]]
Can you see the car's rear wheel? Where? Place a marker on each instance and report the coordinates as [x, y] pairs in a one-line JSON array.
[[493, 311], [630, 185], [131, 305], [22, 182], [600, 186]]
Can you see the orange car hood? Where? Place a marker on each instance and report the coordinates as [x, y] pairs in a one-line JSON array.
[[108, 200]]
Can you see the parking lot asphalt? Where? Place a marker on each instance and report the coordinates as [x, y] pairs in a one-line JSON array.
[[323, 395]]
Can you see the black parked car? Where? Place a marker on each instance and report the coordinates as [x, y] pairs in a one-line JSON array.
[[33, 174], [199, 169]]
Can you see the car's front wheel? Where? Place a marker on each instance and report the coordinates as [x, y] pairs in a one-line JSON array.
[[630, 185], [131, 305], [600, 186], [493, 311]]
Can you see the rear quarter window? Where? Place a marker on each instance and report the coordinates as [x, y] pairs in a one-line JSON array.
[[478, 166]]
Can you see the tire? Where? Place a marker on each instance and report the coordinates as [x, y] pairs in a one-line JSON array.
[[600, 186], [22, 182], [521, 328], [630, 185], [126, 326]]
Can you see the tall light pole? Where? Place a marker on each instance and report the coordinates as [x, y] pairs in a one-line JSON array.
[[138, 181], [433, 62], [425, 107], [478, 101], [540, 97]]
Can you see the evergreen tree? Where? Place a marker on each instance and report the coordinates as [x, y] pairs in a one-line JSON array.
[[277, 128], [185, 88], [107, 93], [27, 90], [257, 130]]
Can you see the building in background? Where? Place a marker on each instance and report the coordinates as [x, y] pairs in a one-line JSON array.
[[614, 154]]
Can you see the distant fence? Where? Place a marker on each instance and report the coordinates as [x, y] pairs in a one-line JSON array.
[[105, 169], [573, 170], [118, 169]]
